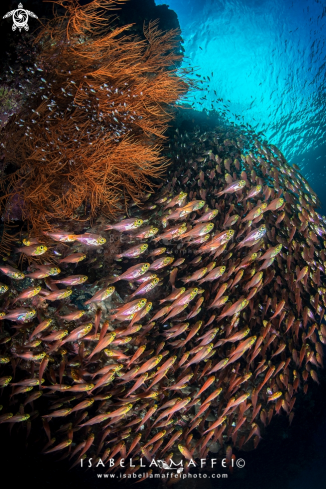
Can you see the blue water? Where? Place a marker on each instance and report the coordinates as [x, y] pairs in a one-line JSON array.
[[268, 58]]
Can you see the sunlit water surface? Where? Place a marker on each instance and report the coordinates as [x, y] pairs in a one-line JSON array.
[[267, 57]]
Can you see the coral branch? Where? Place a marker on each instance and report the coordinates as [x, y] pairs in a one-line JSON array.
[[91, 131]]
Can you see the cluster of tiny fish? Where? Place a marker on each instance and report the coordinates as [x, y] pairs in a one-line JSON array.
[[116, 128], [18, 84], [206, 324]]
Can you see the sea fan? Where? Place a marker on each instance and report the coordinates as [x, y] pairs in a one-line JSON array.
[[89, 139]]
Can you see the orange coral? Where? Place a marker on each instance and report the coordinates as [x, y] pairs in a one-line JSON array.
[[91, 141], [7, 239]]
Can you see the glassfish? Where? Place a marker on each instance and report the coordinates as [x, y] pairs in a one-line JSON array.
[[126, 225], [33, 250], [60, 236], [74, 258], [28, 293], [12, 272], [72, 280], [90, 239]]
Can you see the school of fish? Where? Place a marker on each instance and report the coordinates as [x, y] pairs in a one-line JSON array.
[[205, 320]]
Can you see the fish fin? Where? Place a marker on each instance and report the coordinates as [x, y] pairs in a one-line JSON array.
[[51, 284]]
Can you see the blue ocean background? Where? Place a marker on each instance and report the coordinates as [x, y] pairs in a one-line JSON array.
[[268, 60]]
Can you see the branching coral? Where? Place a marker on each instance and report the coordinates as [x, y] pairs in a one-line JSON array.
[[90, 137], [8, 237]]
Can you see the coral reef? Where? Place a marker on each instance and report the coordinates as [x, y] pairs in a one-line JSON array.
[[180, 331], [89, 139], [146, 320]]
